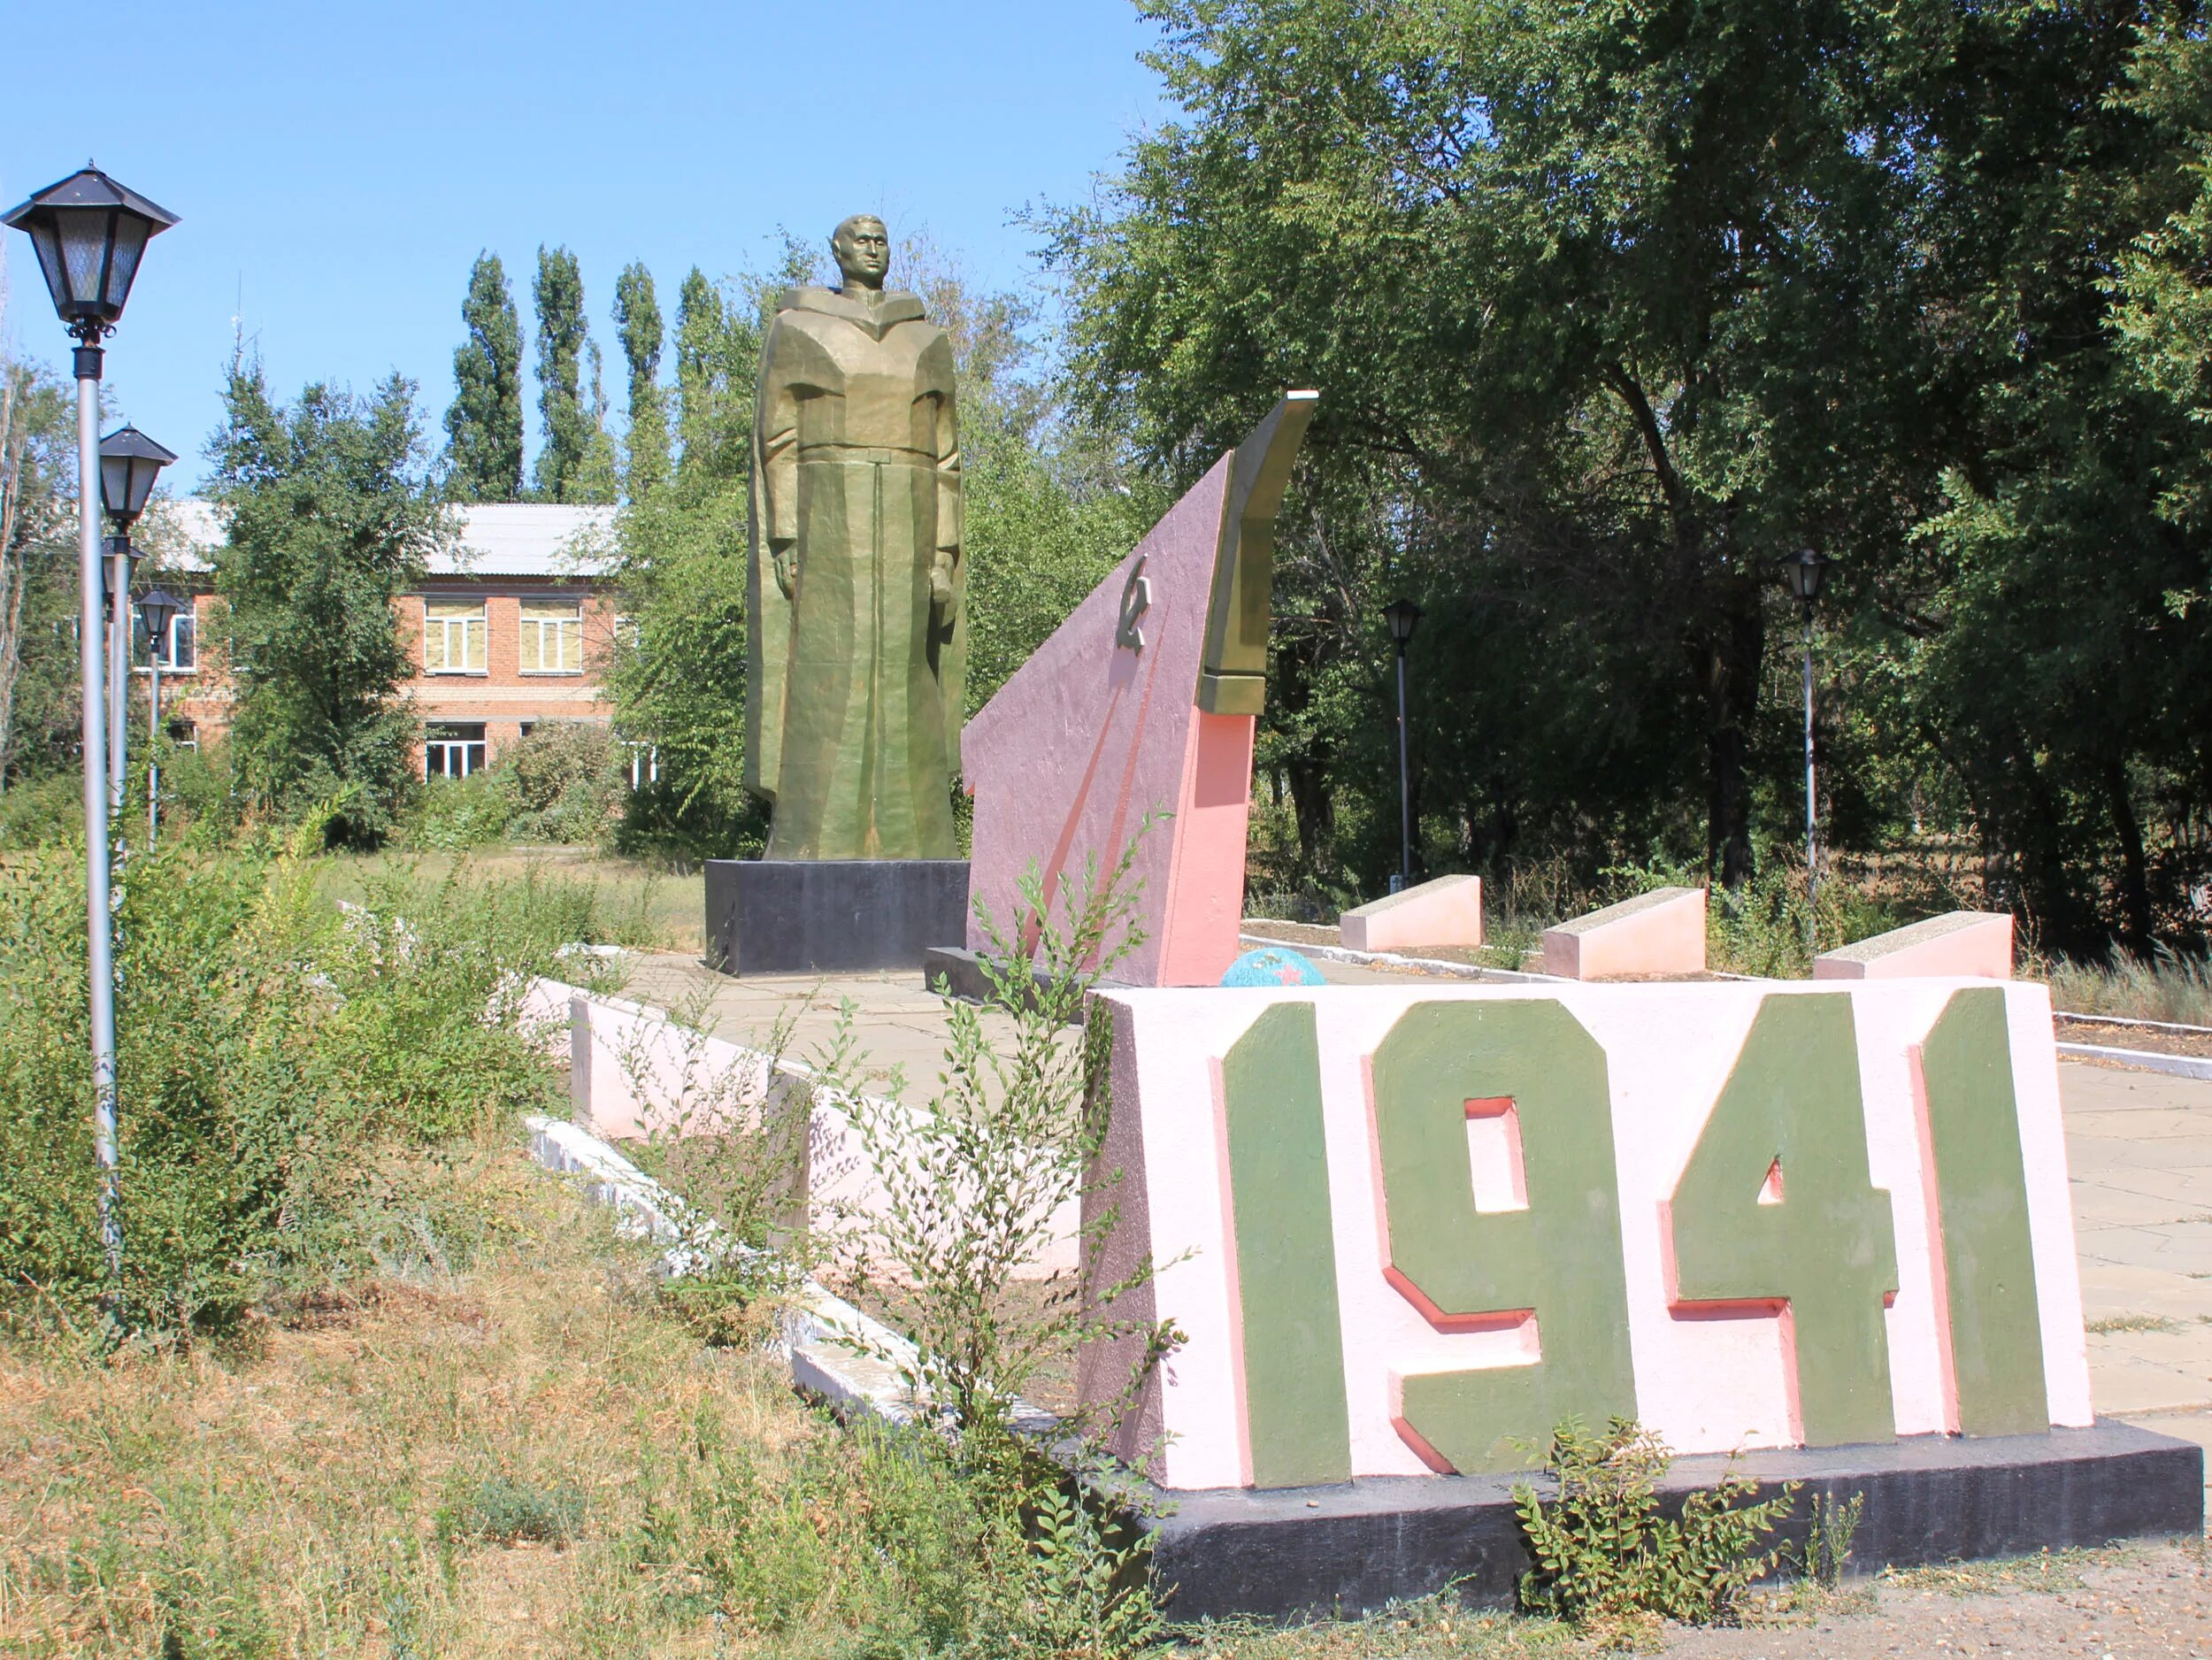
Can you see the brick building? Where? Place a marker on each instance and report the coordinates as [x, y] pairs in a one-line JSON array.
[[511, 629]]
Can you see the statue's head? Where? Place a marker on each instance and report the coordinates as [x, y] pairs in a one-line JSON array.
[[863, 248]]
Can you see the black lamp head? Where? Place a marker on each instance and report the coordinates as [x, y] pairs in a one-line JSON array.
[[1404, 617], [1805, 569], [158, 605], [90, 234], [129, 463]]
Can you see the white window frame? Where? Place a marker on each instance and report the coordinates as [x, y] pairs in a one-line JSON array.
[[436, 743], [181, 621], [477, 623], [565, 630]]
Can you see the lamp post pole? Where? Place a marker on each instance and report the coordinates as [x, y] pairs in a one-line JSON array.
[[119, 637], [91, 594], [1812, 818], [89, 233], [1404, 617], [1805, 570], [159, 608]]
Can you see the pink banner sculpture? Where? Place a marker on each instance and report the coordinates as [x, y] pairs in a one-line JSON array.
[[1145, 702]]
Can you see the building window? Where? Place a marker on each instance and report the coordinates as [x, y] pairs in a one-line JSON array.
[[453, 749], [552, 636], [645, 764], [179, 654], [453, 635], [183, 733]]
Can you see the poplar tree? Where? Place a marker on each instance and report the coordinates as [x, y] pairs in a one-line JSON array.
[[700, 385], [637, 315], [483, 423], [559, 293]]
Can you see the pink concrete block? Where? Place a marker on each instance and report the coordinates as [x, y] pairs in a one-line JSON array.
[[1704, 1381], [1659, 933], [1098, 741], [1445, 912], [1973, 942]]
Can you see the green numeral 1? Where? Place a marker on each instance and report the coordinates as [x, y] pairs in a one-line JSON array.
[[1992, 1318], [1778, 1207], [1560, 1258], [1278, 1182]]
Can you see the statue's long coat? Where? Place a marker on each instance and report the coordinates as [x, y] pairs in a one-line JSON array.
[[852, 720]]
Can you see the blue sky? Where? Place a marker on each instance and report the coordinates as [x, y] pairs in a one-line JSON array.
[[336, 167]]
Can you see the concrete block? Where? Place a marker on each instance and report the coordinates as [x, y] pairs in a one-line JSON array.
[[1445, 912], [1977, 943], [1659, 933], [832, 916], [1351, 1547]]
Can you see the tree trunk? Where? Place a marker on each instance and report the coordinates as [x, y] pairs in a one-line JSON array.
[[1312, 799], [1730, 672], [2135, 883]]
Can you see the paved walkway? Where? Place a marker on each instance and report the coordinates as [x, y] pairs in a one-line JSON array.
[[2139, 1145]]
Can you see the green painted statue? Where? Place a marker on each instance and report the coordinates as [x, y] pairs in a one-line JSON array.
[[859, 640]]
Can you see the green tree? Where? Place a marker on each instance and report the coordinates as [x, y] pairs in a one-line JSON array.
[[331, 518], [559, 294], [38, 523], [1612, 304], [637, 317], [484, 422], [718, 359], [599, 478]]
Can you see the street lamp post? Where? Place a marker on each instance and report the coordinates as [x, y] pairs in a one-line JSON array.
[[1404, 617], [1806, 569], [89, 233], [157, 607], [129, 463]]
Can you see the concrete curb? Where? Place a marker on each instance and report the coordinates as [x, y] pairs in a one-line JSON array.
[[837, 1352], [2147, 1060]]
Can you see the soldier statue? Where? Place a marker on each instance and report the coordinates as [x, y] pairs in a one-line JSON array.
[[854, 581]]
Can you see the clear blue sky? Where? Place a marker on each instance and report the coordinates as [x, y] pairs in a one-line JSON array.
[[336, 167]]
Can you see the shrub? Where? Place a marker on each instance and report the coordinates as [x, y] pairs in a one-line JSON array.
[[566, 784], [276, 1072], [457, 815], [38, 812], [1606, 1551]]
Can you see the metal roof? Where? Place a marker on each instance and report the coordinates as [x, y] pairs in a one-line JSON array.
[[497, 539]]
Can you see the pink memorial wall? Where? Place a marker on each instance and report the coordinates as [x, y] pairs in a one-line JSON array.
[[1142, 705]]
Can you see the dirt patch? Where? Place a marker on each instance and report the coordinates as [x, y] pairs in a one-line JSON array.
[[2107, 1035], [2114, 1605], [1310, 933]]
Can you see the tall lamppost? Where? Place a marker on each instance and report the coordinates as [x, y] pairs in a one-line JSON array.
[[90, 234], [157, 607], [129, 463], [1806, 569], [1404, 617]]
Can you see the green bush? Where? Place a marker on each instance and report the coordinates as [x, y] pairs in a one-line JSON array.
[[566, 784], [1606, 1551], [278, 1068], [457, 815], [38, 812]]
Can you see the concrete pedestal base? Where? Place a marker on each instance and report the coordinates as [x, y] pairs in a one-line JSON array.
[[1348, 1549], [831, 916]]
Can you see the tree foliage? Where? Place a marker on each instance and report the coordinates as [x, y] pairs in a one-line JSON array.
[[1611, 304], [637, 317], [39, 699], [559, 294], [330, 518], [483, 423]]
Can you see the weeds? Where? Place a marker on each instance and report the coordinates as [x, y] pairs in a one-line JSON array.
[[1608, 1554]]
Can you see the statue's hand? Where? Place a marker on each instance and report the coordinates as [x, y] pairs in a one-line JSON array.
[[940, 583], [780, 555]]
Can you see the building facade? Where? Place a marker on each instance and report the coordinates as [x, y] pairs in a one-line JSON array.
[[513, 627]]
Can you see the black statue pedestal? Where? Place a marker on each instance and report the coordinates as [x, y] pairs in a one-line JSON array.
[[832, 916]]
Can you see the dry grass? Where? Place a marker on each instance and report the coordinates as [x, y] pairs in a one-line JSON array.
[[322, 1493], [638, 899]]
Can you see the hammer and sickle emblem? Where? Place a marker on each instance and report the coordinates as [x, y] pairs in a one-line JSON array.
[[1136, 599]]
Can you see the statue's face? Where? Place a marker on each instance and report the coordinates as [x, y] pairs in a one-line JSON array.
[[863, 248]]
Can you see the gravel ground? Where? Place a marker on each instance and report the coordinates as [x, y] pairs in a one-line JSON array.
[[2123, 1604]]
